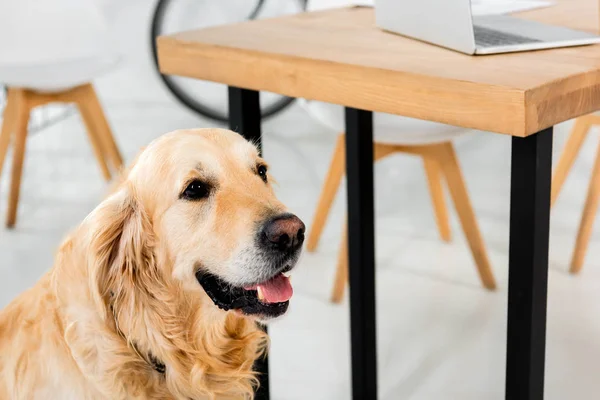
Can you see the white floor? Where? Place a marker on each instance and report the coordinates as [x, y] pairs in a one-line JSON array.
[[441, 336]]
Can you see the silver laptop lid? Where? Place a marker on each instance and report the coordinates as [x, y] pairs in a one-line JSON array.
[[446, 23]]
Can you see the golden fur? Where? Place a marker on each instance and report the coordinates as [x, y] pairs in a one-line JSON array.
[[132, 262]]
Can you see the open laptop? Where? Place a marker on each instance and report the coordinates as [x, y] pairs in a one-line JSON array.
[[450, 24]]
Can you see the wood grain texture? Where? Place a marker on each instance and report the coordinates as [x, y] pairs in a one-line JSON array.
[[340, 56]]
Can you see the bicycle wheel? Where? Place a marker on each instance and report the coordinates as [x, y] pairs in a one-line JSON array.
[[206, 98]]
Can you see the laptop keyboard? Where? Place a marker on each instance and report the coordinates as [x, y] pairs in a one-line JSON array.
[[487, 37]]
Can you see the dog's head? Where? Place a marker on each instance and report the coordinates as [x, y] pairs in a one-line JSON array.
[[190, 247], [198, 207]]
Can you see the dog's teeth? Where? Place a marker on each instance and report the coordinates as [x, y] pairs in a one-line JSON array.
[[259, 293], [287, 274]]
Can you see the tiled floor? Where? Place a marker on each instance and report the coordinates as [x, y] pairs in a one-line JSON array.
[[441, 336]]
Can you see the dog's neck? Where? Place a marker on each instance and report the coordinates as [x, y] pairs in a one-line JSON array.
[[223, 345], [149, 358]]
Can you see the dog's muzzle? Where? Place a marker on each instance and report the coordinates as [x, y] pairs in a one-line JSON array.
[[280, 241]]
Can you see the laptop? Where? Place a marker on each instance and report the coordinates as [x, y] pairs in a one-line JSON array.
[[450, 24]]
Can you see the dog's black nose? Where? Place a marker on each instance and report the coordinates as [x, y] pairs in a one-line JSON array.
[[284, 232]]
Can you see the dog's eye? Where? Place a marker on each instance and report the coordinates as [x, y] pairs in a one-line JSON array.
[[196, 190], [262, 172]]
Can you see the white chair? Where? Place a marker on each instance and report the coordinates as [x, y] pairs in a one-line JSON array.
[[429, 140], [50, 51]]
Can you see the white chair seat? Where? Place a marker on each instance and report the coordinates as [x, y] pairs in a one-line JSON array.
[[53, 45], [387, 128], [55, 76]]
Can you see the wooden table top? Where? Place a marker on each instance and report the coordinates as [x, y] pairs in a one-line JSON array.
[[340, 56]]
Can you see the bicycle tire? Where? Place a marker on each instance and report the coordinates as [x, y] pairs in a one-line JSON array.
[[183, 97]]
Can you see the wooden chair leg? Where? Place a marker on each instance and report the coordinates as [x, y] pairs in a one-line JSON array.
[[20, 130], [458, 191], [93, 131], [436, 190], [103, 128], [587, 218], [330, 188], [572, 147], [341, 273], [8, 125]]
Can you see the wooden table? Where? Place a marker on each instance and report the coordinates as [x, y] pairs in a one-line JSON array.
[[339, 56]]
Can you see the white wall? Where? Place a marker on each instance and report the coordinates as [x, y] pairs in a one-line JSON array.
[[135, 79]]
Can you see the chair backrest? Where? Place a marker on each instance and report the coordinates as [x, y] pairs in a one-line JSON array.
[[42, 31]]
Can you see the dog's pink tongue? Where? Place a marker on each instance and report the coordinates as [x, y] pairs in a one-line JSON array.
[[277, 290]]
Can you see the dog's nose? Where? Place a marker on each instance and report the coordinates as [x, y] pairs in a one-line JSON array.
[[284, 232]]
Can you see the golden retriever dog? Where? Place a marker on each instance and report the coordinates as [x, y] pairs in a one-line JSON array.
[[157, 294]]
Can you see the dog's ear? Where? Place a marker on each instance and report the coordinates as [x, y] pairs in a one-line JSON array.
[[121, 255]]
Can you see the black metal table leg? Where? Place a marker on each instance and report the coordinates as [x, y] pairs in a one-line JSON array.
[[244, 114], [361, 256], [528, 265], [245, 118]]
